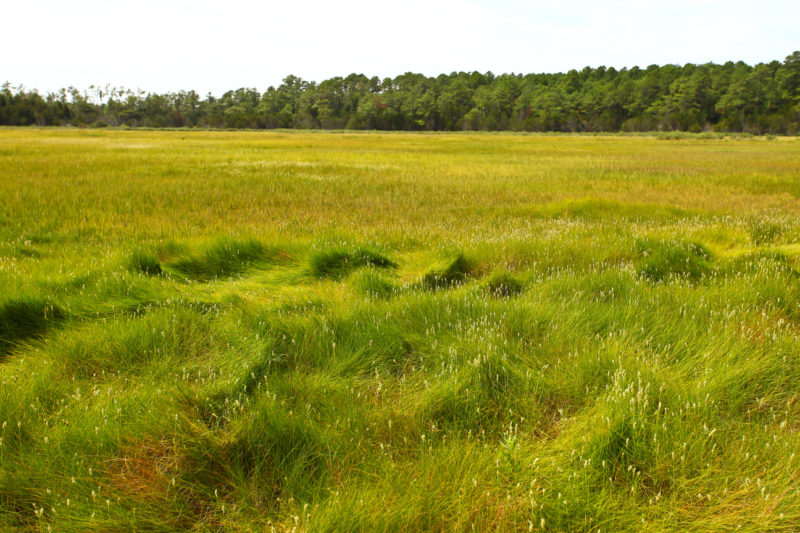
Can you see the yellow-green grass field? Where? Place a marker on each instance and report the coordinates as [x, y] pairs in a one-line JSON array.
[[219, 331]]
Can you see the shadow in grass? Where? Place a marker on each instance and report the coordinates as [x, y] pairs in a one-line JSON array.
[[226, 258], [25, 319], [145, 263], [277, 452], [371, 283], [479, 398], [449, 272], [27, 252], [281, 452], [503, 285], [336, 263], [662, 260], [599, 209]]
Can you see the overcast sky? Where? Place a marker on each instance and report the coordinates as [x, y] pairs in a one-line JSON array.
[[167, 45]]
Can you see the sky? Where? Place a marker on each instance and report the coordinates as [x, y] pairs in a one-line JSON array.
[[214, 46]]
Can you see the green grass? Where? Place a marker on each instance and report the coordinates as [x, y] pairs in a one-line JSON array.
[[219, 331], [336, 263], [503, 285], [145, 262], [24, 319]]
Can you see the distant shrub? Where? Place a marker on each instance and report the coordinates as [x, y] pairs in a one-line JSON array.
[[145, 263], [338, 262], [503, 285], [451, 271], [660, 260], [24, 319], [672, 135]]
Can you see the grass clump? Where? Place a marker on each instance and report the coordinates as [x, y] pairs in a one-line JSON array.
[[762, 262], [225, 258], [764, 231], [163, 337], [336, 263], [448, 272], [24, 319], [281, 451], [375, 285], [145, 263], [663, 259], [503, 285], [479, 397]]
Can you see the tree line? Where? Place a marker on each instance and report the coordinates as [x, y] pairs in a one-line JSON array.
[[734, 97]]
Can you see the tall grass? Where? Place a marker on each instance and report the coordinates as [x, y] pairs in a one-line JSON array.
[[383, 332]]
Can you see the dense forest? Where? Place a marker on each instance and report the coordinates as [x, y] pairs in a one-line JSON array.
[[735, 97]]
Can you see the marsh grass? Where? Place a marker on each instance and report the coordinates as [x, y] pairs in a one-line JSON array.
[[373, 283], [662, 259], [219, 331], [24, 319], [224, 258], [450, 270], [335, 263], [503, 285], [145, 262]]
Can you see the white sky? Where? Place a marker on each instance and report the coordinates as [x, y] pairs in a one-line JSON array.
[[212, 45]]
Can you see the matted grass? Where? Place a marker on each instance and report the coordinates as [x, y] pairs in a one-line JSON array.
[[220, 331]]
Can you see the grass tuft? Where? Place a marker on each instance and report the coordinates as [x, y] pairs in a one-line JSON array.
[[764, 231], [375, 285], [282, 451], [451, 271], [24, 319], [336, 263], [503, 285], [660, 260], [145, 263], [225, 257]]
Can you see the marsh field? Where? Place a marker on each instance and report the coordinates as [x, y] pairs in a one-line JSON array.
[[219, 331]]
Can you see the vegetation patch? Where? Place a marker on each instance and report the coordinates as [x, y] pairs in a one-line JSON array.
[[372, 283], [338, 262], [503, 285], [762, 262], [609, 210], [659, 260], [226, 258], [143, 262], [24, 319], [282, 451], [574, 378], [450, 271], [480, 397], [764, 230]]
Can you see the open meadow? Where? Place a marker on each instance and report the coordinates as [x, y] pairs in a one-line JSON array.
[[248, 331]]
